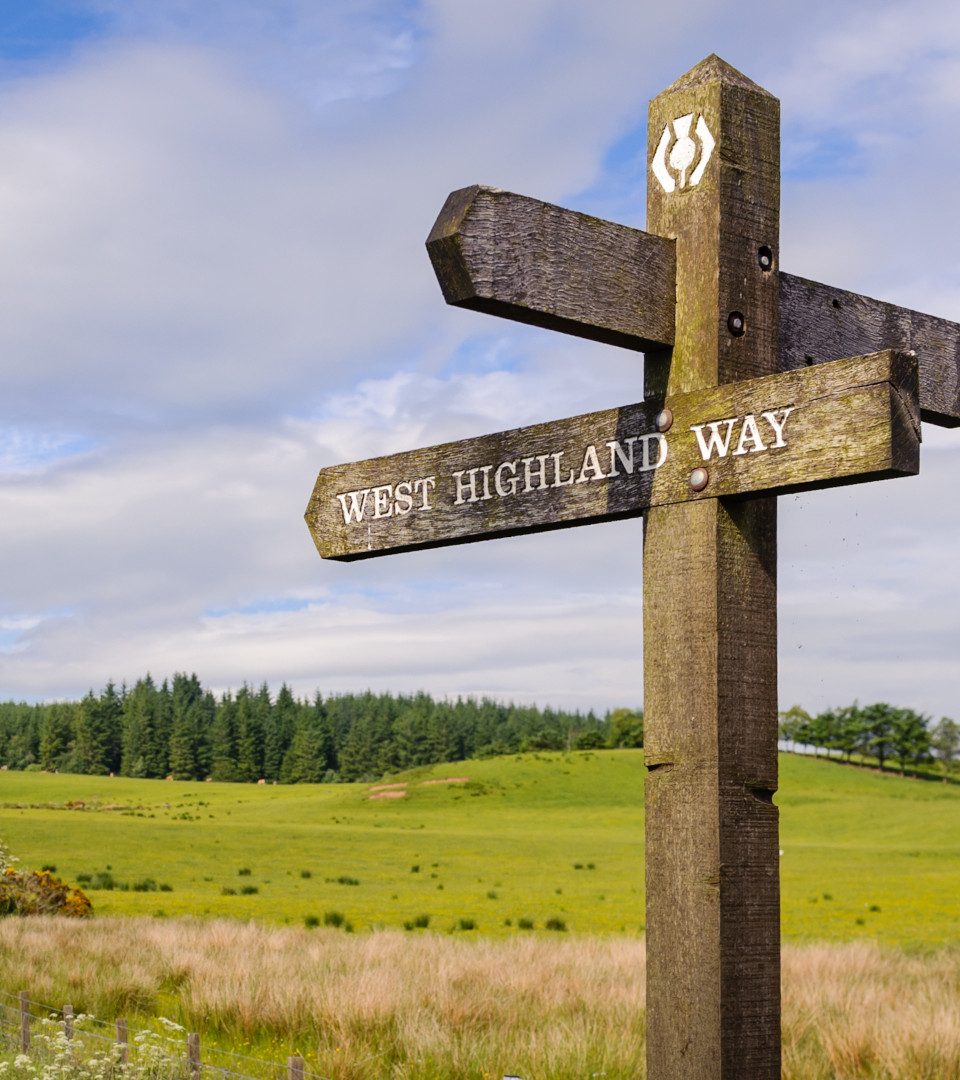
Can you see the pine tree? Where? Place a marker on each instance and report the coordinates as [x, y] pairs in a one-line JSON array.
[[91, 752], [185, 729], [56, 736], [223, 740]]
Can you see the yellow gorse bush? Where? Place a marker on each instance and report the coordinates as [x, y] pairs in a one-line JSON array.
[[39, 892]]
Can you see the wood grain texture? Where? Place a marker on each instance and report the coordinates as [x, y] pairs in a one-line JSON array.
[[819, 323], [532, 262], [850, 421], [537, 263], [710, 646]]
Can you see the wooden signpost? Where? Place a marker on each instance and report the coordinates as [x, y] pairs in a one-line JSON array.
[[757, 384]]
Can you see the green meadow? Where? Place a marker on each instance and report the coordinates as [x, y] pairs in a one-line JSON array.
[[483, 844]]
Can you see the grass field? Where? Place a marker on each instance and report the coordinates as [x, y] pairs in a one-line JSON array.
[[533, 837], [452, 1007]]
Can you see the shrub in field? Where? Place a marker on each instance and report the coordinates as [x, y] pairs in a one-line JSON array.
[[465, 924], [38, 892], [249, 890], [524, 924], [333, 918], [311, 922], [553, 923]]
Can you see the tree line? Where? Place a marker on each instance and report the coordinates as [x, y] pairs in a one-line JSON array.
[[879, 732], [182, 730]]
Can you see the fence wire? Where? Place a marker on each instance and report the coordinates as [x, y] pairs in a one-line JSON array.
[[179, 1052]]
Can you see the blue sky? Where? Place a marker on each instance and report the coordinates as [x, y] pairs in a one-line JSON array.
[[213, 282]]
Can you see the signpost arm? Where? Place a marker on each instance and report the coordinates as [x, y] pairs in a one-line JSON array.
[[710, 683]]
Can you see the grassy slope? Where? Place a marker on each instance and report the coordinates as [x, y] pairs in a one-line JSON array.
[[516, 830]]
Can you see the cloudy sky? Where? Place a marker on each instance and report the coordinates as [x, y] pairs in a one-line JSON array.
[[213, 282]]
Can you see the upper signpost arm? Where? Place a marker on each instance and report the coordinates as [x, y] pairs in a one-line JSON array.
[[819, 323], [536, 263]]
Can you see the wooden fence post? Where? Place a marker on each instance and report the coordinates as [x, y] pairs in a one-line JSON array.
[[193, 1054], [124, 1054], [68, 1022], [295, 1067], [24, 1022]]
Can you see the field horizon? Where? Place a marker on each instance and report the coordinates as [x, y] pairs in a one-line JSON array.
[[484, 847]]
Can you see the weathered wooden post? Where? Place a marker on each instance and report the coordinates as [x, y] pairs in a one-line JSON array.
[[123, 1045], [193, 1054], [294, 1067], [710, 607], [68, 1022], [739, 402], [24, 1022]]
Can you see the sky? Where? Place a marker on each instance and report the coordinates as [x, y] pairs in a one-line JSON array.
[[213, 282]]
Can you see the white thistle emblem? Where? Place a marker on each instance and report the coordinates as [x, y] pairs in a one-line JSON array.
[[679, 150]]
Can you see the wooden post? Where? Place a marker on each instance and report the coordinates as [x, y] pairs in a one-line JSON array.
[[710, 644], [193, 1054], [24, 1022], [68, 1021], [294, 1067], [122, 1041]]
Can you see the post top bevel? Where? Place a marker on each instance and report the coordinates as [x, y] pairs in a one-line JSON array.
[[714, 69]]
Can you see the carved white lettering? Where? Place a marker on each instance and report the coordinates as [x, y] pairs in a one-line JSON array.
[[511, 485], [661, 441], [464, 486], [403, 498], [749, 433], [539, 473], [382, 500], [386, 500], [592, 463], [778, 425], [714, 441], [486, 470], [624, 457], [422, 487], [557, 482], [353, 504]]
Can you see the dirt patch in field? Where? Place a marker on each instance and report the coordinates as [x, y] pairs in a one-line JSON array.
[[394, 794], [448, 780], [388, 787]]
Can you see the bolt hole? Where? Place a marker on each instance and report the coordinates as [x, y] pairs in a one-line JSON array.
[[808, 360], [736, 323], [836, 304], [765, 258]]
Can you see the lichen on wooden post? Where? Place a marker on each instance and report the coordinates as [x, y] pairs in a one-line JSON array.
[[710, 644]]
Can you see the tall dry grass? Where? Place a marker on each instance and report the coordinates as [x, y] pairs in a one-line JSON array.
[[428, 1006]]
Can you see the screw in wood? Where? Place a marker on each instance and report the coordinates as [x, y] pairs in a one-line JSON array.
[[664, 420], [699, 479], [736, 323], [765, 258]]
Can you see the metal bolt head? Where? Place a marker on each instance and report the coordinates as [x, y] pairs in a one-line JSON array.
[[736, 323], [699, 479], [664, 420]]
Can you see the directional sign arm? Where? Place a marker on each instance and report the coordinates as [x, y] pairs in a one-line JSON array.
[[841, 423], [819, 323], [536, 263]]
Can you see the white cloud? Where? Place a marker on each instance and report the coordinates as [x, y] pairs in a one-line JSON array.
[[214, 282]]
